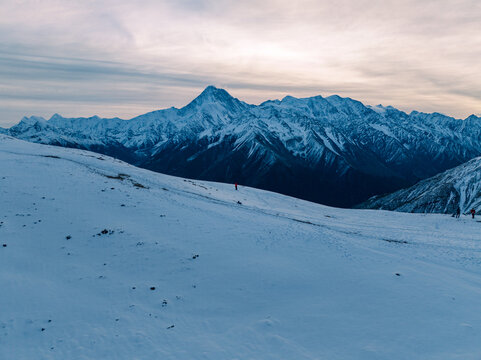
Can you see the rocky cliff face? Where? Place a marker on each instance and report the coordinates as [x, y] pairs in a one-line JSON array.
[[442, 193]]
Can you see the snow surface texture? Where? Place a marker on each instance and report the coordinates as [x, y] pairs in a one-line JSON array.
[[103, 260], [442, 193], [331, 150]]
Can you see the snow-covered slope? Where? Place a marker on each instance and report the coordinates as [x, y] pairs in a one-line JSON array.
[[330, 150], [103, 260], [443, 193]]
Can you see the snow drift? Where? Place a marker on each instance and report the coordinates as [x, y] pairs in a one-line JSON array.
[[102, 260]]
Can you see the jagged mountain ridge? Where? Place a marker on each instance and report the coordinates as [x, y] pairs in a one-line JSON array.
[[443, 193], [331, 150]]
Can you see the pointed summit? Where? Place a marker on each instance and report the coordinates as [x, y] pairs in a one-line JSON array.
[[214, 94], [211, 89], [56, 117], [472, 117], [214, 98]]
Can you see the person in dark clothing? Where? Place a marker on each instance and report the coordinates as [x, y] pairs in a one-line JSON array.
[[473, 212], [458, 212], [235, 186]]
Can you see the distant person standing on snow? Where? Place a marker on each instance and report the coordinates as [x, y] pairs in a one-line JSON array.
[[235, 186], [458, 212], [473, 212]]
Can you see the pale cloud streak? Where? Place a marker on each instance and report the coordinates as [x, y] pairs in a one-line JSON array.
[[128, 57]]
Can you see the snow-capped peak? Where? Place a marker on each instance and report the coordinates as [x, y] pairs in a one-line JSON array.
[[472, 117], [213, 95], [337, 139], [213, 106], [31, 120], [55, 117]]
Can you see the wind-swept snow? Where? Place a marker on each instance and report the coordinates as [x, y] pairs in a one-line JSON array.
[[103, 260]]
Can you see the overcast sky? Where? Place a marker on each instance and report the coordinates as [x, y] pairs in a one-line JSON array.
[[126, 57]]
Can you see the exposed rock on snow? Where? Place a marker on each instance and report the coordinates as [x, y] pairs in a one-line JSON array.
[[278, 277], [442, 193]]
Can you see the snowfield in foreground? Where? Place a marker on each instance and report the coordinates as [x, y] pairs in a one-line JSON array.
[[102, 260]]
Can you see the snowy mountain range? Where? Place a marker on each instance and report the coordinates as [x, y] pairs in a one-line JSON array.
[[103, 260], [443, 193], [330, 150]]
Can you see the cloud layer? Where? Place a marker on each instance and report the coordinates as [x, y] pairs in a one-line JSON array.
[[123, 58]]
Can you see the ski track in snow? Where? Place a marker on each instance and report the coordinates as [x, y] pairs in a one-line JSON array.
[[275, 277]]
